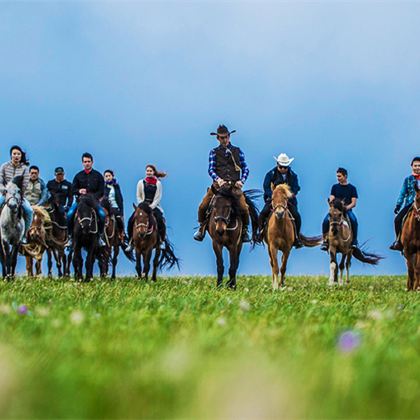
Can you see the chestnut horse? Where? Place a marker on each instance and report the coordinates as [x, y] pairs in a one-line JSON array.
[[340, 237], [410, 239], [225, 228], [146, 239], [280, 233]]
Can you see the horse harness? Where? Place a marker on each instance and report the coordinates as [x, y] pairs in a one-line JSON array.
[[93, 218], [146, 225]]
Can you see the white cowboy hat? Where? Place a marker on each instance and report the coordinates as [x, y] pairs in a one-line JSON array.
[[283, 160]]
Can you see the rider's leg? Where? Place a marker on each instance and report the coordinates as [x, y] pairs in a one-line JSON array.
[[202, 215], [298, 223], [243, 208], [101, 223], [70, 223], [160, 223], [397, 245], [354, 226], [325, 229], [2, 199], [28, 215], [262, 218]]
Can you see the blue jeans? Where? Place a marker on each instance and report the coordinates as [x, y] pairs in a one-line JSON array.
[[353, 221], [28, 213]]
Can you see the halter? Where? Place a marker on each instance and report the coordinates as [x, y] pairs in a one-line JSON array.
[[91, 218], [340, 223], [223, 218], [416, 212]]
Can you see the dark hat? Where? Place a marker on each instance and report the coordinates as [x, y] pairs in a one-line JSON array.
[[222, 129], [59, 170]]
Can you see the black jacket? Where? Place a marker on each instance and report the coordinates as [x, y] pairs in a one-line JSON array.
[[61, 191], [92, 181], [274, 178], [118, 195]]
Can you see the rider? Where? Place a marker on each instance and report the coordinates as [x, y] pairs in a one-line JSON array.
[[36, 192], [281, 174], [61, 189], [113, 194], [226, 164], [348, 194], [88, 181], [405, 200], [17, 166], [149, 190]]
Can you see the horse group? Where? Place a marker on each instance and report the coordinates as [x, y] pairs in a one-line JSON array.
[[48, 234]]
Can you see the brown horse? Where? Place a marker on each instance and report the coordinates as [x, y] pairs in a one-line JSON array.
[[340, 237], [145, 237], [280, 233], [410, 239], [37, 240], [225, 229]]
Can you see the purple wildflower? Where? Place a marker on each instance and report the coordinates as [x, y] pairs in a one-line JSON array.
[[22, 310], [348, 341]]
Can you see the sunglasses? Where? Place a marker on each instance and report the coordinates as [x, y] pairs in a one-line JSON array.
[[222, 137], [282, 167]]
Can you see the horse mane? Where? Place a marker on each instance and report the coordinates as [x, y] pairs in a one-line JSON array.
[[283, 189], [42, 213], [229, 194], [87, 200], [339, 205], [18, 181], [145, 207]]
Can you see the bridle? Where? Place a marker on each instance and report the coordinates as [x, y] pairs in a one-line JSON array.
[[90, 219], [139, 225], [416, 211]]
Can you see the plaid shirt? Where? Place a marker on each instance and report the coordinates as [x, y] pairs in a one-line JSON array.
[[242, 163]]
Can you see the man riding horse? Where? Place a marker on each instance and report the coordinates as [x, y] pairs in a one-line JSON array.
[[226, 165], [89, 181], [60, 189], [347, 193], [281, 174], [405, 201]]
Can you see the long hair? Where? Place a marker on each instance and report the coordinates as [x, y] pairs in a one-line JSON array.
[[158, 174], [24, 159]]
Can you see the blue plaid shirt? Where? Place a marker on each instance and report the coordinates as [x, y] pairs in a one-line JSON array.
[[242, 163]]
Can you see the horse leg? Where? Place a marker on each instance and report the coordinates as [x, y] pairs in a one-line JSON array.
[[217, 248], [341, 266], [77, 263], [348, 264], [272, 252], [410, 272], [29, 266], [7, 259], [234, 262], [14, 255], [147, 258], [90, 261], [115, 261], [38, 266], [333, 267], [49, 262], [284, 260], [138, 264], [156, 262]]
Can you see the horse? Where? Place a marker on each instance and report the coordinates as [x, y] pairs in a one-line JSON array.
[[146, 239], [37, 240], [340, 237], [114, 237], [12, 227], [280, 234], [410, 239], [57, 239], [225, 228], [85, 236]]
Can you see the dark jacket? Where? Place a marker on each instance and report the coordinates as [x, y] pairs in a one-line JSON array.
[[408, 192], [92, 181], [274, 178], [118, 195], [61, 192]]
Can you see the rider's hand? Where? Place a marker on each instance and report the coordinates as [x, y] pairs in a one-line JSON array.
[[83, 191], [239, 184], [397, 209], [220, 182]]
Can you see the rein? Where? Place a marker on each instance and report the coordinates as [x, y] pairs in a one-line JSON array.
[[90, 219], [341, 223], [416, 212]]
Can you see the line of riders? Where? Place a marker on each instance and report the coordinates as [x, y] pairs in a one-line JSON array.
[[227, 167]]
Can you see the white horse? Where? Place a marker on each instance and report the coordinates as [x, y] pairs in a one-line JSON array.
[[12, 227]]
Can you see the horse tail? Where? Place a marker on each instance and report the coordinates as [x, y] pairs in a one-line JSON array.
[[168, 258], [366, 257], [128, 254], [311, 241], [250, 197]]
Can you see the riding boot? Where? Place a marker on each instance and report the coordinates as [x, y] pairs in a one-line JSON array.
[[325, 244], [201, 232], [397, 245], [245, 234], [298, 223]]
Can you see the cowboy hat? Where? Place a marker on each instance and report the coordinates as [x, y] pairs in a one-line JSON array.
[[221, 130], [283, 160]]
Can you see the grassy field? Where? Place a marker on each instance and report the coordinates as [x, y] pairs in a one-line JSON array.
[[180, 348]]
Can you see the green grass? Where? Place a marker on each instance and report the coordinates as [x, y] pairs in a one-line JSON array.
[[180, 348]]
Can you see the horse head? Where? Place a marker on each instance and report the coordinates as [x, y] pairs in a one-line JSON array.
[[143, 220], [416, 205], [85, 213], [337, 213], [279, 199], [13, 195]]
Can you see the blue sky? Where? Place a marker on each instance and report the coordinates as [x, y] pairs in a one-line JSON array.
[[330, 83]]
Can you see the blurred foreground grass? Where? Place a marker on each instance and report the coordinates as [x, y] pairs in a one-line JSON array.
[[180, 348]]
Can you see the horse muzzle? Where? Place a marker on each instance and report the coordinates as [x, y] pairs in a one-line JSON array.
[[279, 214]]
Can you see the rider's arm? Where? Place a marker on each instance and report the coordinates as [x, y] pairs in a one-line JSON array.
[[25, 175], [295, 187], [2, 178], [403, 194], [69, 197], [158, 195], [352, 204], [212, 165], [140, 192], [101, 187], [244, 167], [267, 186], [75, 186], [44, 193]]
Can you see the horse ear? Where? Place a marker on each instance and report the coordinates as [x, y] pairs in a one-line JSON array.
[[134, 206]]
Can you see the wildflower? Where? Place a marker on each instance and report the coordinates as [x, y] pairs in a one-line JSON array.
[[244, 305], [42, 311], [375, 314], [221, 322], [5, 309], [77, 317], [22, 310], [348, 341]]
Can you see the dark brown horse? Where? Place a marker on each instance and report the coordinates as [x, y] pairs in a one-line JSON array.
[[280, 233], [146, 239], [340, 237], [410, 239], [225, 228]]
